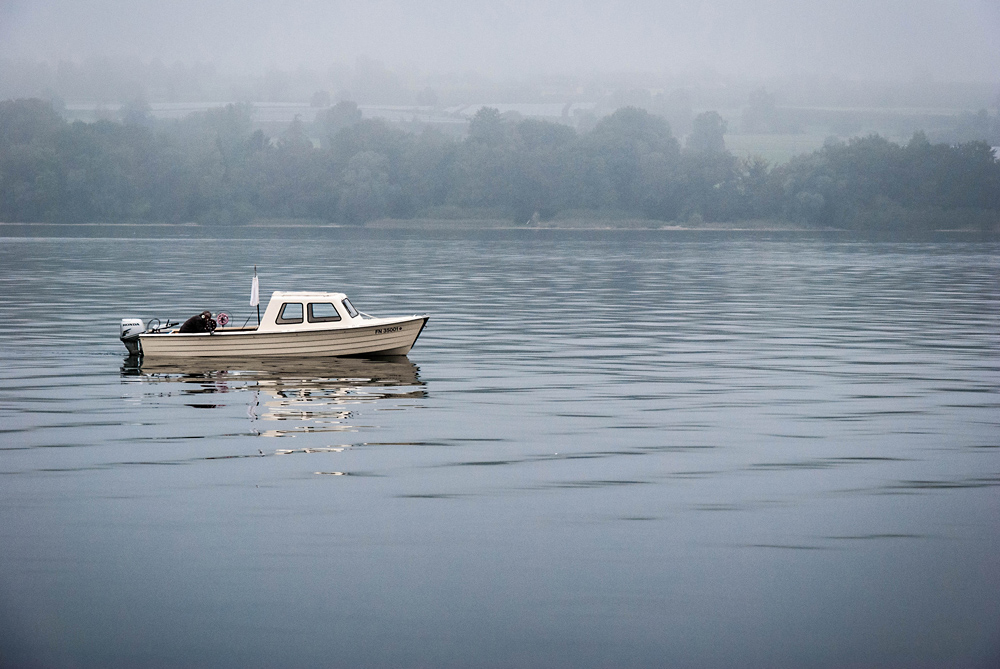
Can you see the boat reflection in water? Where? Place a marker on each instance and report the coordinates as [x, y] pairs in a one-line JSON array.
[[314, 395]]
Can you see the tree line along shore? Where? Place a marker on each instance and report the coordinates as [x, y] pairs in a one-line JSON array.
[[214, 169]]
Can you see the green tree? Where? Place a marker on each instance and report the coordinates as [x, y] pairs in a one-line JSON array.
[[29, 121], [426, 171], [709, 182], [488, 128], [365, 188], [540, 155], [707, 134], [294, 138], [485, 167], [31, 175], [331, 121], [618, 146], [136, 112], [368, 135]]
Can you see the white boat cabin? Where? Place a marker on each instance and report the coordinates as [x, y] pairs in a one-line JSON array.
[[303, 310]]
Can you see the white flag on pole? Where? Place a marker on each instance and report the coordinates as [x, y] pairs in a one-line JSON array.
[[254, 292]]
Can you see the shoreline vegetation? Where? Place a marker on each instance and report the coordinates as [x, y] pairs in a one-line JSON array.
[[628, 173], [478, 224]]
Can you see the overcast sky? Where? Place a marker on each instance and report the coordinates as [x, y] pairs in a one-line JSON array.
[[867, 39]]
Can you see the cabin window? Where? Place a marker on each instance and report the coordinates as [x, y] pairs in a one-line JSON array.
[[322, 312], [291, 312], [350, 308]]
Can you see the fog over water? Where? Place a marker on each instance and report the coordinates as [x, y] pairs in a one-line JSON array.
[[892, 39]]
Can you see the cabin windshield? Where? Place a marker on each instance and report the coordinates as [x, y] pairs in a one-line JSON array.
[[350, 308]]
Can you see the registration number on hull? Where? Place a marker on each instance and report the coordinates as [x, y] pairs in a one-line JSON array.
[[394, 328]]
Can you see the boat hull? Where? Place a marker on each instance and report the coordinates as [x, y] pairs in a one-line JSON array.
[[386, 337]]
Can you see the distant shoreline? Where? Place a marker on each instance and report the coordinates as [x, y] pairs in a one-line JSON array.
[[474, 225], [589, 224]]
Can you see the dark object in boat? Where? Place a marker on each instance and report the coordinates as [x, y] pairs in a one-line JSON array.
[[201, 323]]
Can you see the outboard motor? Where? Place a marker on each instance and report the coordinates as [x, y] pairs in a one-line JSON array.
[[131, 328]]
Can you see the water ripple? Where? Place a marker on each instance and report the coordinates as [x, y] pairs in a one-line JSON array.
[[627, 434]]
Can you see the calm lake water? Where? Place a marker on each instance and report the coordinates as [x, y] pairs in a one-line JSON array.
[[606, 449]]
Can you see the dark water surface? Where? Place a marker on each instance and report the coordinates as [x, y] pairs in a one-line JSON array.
[[605, 450]]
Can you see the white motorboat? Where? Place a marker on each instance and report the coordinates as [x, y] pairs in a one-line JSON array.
[[294, 325]]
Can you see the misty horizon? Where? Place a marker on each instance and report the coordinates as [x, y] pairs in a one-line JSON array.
[[930, 40]]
